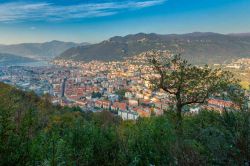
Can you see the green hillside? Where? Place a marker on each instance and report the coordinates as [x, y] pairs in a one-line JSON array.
[[195, 47], [33, 132]]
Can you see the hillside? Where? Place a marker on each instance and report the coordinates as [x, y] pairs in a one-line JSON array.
[[47, 50], [9, 59], [196, 47], [33, 132]]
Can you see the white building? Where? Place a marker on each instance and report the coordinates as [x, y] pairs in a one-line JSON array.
[[127, 115]]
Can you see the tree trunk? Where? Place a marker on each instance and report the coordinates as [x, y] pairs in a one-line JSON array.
[[179, 119], [179, 132], [178, 114]]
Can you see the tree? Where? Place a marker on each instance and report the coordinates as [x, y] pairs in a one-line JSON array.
[[121, 93], [188, 84], [96, 95]]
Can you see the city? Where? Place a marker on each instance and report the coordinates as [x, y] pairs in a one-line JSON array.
[[124, 83], [121, 87]]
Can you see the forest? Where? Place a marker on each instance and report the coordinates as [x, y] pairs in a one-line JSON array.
[[34, 132]]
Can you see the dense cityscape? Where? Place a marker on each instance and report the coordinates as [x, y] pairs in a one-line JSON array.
[[122, 87]]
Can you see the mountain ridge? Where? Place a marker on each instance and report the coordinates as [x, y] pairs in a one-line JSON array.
[[197, 47], [39, 51]]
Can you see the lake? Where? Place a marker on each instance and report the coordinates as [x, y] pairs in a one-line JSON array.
[[30, 64]]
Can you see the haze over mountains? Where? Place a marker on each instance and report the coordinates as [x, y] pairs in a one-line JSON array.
[[38, 51], [197, 47]]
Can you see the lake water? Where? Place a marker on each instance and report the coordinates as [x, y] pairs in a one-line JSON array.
[[35, 64], [30, 64]]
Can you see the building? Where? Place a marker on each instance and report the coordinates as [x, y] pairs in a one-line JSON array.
[[133, 103], [128, 95], [106, 104], [119, 106], [220, 105], [128, 115]]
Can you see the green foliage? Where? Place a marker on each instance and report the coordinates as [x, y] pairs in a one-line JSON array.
[[121, 93], [33, 132], [96, 95], [191, 85], [214, 48]]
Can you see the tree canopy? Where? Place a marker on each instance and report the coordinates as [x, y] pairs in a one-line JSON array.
[[188, 84], [34, 132]]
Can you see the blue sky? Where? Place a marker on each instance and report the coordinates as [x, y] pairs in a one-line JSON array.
[[96, 20]]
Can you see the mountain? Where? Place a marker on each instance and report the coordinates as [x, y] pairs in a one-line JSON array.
[[240, 34], [47, 50], [196, 47], [10, 59]]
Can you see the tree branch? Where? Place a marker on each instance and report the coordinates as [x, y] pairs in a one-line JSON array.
[[162, 77]]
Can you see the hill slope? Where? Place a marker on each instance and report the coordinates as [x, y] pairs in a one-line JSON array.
[[33, 132], [196, 47], [47, 50]]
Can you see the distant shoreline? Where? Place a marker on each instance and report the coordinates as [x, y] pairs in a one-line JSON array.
[[28, 64]]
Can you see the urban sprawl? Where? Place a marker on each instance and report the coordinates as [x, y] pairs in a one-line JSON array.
[[122, 87]]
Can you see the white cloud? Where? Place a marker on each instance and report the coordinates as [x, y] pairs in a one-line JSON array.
[[23, 11]]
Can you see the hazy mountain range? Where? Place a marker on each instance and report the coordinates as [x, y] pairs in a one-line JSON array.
[[196, 47], [38, 51]]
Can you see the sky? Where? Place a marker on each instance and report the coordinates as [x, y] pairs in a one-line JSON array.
[[23, 21]]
